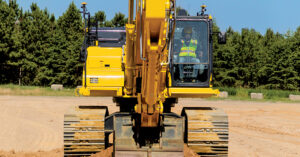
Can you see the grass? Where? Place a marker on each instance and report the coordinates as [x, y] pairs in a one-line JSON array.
[[269, 95], [234, 93], [10, 89]]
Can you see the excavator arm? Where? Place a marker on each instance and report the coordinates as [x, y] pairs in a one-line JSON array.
[[153, 30]]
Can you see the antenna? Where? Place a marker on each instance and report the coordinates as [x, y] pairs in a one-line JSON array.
[[203, 9]]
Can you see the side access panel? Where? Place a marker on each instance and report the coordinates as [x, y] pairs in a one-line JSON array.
[[104, 72]]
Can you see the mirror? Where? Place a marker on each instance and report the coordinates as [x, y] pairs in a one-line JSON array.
[[222, 37]]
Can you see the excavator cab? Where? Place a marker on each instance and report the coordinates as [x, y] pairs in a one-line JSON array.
[[191, 52], [191, 49]]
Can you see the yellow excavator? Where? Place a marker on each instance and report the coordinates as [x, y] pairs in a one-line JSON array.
[[161, 55]]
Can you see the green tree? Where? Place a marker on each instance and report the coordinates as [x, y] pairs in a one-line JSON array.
[[56, 57], [285, 73], [70, 23], [7, 24], [100, 17], [108, 24], [296, 56], [225, 69], [36, 32], [179, 8], [15, 7], [119, 20], [248, 49], [270, 44], [17, 55]]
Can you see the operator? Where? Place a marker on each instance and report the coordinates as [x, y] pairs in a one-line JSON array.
[[188, 53]]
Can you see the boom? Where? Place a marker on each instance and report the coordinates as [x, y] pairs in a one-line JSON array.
[[146, 48]]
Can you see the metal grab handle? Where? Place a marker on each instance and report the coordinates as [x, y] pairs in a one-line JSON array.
[[141, 41]]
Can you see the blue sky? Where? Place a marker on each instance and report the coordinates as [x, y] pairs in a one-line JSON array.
[[280, 15]]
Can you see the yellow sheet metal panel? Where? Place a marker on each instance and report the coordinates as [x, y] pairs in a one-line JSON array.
[[104, 67], [104, 51], [104, 58], [105, 78], [104, 62], [193, 92], [156, 8]]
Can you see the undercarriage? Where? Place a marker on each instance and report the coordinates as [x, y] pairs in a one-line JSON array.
[[88, 129]]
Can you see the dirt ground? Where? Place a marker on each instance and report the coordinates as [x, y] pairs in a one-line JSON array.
[[33, 126]]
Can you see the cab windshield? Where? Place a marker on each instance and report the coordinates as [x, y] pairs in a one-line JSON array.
[[190, 55]]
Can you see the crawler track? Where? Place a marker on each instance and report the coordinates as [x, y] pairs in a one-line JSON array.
[[206, 131], [84, 130]]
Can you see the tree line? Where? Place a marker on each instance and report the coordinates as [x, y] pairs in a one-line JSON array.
[[252, 60], [38, 49]]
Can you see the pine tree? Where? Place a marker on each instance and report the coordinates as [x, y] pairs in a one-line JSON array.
[[14, 5], [270, 43], [224, 66], [56, 60], [296, 57], [108, 24], [119, 20], [36, 31], [99, 17], [7, 25], [70, 23], [16, 55], [285, 67]]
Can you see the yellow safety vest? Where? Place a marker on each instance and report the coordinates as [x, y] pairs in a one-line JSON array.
[[190, 50]]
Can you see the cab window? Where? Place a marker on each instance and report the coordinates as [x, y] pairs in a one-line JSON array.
[[190, 52]]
